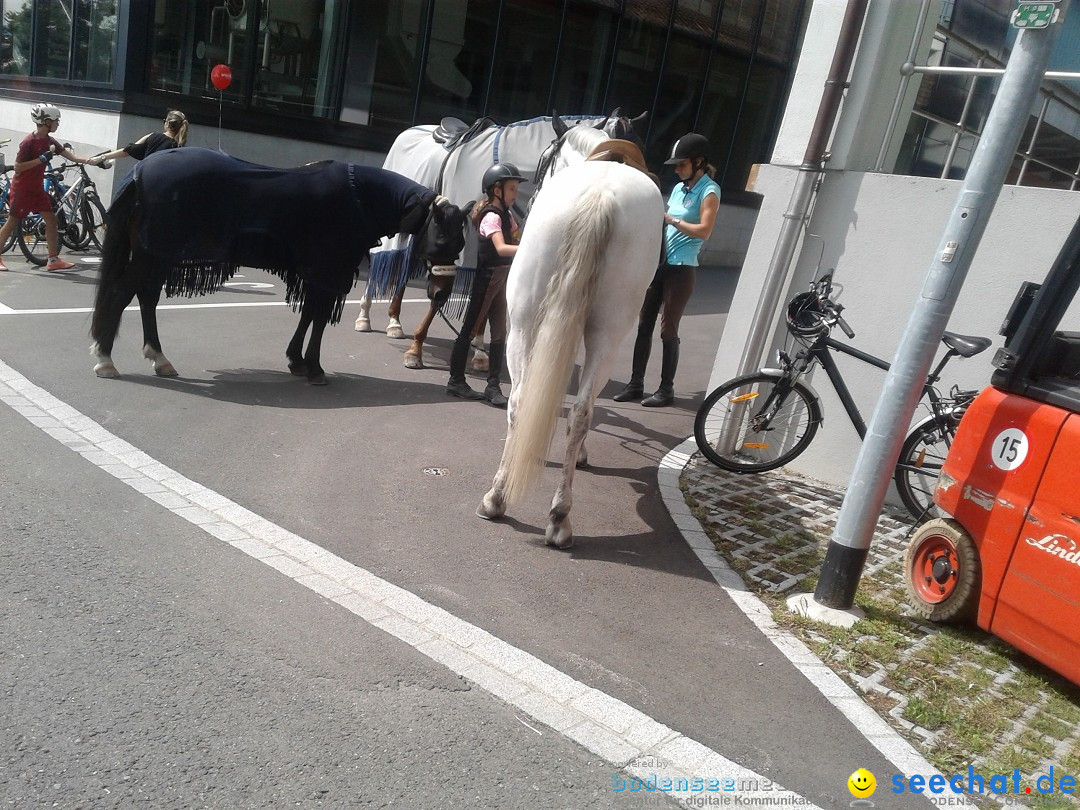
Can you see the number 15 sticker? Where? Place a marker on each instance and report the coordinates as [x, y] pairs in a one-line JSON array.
[[1010, 448]]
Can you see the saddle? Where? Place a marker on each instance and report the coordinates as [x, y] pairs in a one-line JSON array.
[[625, 152], [452, 132]]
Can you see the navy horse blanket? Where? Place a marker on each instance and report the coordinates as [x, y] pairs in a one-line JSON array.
[[206, 214]]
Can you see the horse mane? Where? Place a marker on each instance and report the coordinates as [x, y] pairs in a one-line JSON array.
[[583, 139]]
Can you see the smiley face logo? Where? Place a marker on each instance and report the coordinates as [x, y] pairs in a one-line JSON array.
[[862, 784]]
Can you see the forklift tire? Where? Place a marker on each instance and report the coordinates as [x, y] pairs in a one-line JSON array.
[[942, 572]]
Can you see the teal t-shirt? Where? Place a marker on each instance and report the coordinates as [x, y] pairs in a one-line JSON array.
[[686, 205]]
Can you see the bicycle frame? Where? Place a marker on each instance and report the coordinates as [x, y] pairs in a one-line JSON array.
[[820, 351]]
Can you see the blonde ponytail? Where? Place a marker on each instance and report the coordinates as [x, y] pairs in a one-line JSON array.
[[178, 126]]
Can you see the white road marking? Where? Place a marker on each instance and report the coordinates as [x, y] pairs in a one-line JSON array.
[[643, 749], [869, 723], [6, 310]]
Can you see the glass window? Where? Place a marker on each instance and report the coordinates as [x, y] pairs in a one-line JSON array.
[[738, 22], [15, 36], [385, 49], [191, 37], [295, 56], [525, 60], [52, 39], [59, 39], [459, 59], [582, 74], [95, 40], [638, 62], [288, 48], [680, 94]]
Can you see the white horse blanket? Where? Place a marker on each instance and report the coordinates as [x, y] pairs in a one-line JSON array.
[[418, 156]]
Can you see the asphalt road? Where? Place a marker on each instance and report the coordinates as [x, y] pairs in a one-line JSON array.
[[145, 660]]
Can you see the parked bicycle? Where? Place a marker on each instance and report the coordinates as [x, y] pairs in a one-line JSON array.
[[762, 421], [80, 215], [5, 194]]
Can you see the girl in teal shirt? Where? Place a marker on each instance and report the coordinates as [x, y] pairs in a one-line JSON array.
[[691, 214]]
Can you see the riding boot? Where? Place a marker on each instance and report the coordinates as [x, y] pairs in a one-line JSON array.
[[635, 389], [493, 393], [665, 394], [457, 386]]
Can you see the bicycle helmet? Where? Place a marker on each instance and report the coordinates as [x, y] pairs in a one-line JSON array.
[[805, 316], [40, 113], [498, 173], [689, 146]]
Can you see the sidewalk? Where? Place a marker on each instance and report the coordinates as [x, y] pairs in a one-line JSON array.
[[959, 696]]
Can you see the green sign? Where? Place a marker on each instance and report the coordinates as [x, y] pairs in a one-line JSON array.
[[1034, 15]]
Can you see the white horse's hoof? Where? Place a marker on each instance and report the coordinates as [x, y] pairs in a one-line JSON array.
[[491, 508], [395, 331], [480, 361], [559, 536], [362, 324], [166, 369], [413, 361], [106, 370]]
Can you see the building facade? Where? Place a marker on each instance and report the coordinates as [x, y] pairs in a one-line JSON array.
[[900, 148], [314, 79]]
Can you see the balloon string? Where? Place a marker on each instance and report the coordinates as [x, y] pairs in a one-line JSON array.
[[219, 120]]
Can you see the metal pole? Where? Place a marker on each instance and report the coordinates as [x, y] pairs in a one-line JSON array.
[[850, 542], [801, 195]]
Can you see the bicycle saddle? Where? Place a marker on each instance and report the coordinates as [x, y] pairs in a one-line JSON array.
[[965, 345]]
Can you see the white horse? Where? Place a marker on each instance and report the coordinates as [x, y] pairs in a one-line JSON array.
[[457, 175], [587, 255]]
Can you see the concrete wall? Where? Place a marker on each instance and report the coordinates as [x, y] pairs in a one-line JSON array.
[[881, 232], [92, 131]]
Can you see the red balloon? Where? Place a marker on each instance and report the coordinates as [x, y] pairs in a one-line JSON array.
[[221, 76]]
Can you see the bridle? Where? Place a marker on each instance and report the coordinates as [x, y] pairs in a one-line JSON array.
[[623, 128]]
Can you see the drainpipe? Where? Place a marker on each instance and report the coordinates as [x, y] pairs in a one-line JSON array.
[[801, 196]]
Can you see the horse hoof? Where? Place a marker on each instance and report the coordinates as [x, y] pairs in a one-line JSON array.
[[480, 362], [106, 370], [166, 370], [395, 332], [413, 361], [298, 369], [491, 508], [559, 537], [362, 325], [318, 379]]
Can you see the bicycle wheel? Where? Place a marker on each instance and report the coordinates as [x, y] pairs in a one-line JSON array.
[[9, 243], [69, 229], [756, 423], [921, 458], [31, 239], [93, 220]]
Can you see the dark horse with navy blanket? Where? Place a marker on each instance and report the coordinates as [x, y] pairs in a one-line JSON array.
[[191, 217]]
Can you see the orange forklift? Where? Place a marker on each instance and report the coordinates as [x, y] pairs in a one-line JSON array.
[[1009, 555]]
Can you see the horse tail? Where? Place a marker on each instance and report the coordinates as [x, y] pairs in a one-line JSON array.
[[555, 335], [115, 254]]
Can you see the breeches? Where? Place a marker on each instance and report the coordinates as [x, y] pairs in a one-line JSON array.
[[488, 299], [667, 296]]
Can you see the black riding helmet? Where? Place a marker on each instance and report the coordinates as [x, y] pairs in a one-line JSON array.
[[689, 146], [498, 173]]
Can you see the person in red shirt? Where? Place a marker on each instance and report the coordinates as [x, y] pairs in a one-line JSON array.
[[28, 195]]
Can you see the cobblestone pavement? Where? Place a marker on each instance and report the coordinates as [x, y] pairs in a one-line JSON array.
[[958, 695]]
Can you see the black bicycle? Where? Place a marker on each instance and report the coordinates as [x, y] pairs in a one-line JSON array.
[[80, 214], [762, 421]]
